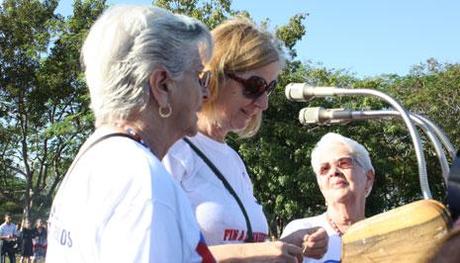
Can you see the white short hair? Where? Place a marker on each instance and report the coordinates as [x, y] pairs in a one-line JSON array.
[[125, 45], [331, 139]]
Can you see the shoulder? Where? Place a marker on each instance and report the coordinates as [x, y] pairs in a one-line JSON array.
[[180, 151], [302, 223], [180, 160], [117, 169], [122, 153]]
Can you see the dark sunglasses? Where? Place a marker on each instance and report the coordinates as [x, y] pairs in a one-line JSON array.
[[204, 78], [254, 86]]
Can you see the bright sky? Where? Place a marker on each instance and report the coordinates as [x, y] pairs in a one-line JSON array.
[[365, 37]]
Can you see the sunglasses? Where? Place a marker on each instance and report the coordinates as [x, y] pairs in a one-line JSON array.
[[204, 78], [342, 163], [254, 86]]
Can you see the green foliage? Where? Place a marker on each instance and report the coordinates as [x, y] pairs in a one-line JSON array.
[[212, 12], [292, 32], [278, 157], [44, 114]]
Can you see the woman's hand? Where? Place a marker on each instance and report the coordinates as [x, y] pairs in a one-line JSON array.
[[314, 241], [278, 252], [315, 244]]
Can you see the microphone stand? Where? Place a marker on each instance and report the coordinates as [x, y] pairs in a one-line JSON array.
[[423, 178], [432, 131]]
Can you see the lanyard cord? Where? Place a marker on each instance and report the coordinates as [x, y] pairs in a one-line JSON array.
[[227, 185], [100, 139]]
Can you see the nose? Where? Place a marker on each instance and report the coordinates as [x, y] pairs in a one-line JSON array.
[[262, 101], [334, 171]]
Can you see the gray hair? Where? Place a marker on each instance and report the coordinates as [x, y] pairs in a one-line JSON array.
[[125, 45], [356, 150]]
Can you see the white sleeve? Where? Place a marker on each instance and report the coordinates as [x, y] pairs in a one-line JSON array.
[[143, 235], [179, 161], [294, 226], [169, 236], [174, 166]]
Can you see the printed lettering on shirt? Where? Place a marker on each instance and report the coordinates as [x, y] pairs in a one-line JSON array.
[[61, 235], [240, 235]]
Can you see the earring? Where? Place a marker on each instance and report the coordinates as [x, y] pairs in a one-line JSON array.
[[164, 114]]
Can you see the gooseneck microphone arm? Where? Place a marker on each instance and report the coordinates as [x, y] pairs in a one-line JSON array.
[[323, 116], [442, 136], [301, 92]]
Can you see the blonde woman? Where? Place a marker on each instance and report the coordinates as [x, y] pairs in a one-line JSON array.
[[245, 66]]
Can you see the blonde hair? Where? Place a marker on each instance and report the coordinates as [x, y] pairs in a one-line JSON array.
[[239, 46]]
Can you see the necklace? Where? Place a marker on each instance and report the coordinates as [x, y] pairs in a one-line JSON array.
[[334, 225]]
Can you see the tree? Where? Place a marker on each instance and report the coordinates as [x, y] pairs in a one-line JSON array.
[[211, 12], [279, 156], [44, 113]]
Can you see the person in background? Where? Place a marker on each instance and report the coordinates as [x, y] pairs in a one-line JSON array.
[[345, 176], [144, 70], [26, 234], [40, 241], [245, 66], [9, 235]]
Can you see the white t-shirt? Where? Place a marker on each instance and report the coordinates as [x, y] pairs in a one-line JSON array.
[[334, 248], [218, 214], [119, 204]]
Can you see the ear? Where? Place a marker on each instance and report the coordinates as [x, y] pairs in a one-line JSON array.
[[159, 86], [370, 176]]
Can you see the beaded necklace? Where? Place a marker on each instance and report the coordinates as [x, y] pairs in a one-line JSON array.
[[334, 225]]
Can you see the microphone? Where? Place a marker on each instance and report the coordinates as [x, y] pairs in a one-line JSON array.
[[304, 92], [321, 116]]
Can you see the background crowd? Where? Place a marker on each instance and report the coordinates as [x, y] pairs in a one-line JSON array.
[[25, 240]]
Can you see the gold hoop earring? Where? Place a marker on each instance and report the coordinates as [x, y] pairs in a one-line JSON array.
[[164, 114]]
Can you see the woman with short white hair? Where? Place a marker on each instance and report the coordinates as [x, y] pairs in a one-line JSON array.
[[144, 71], [345, 176]]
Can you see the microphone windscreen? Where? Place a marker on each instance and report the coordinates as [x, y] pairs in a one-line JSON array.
[[309, 115]]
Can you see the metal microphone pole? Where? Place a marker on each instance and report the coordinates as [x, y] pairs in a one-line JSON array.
[[301, 92], [442, 136], [420, 122]]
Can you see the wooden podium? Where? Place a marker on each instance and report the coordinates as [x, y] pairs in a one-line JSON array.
[[409, 234]]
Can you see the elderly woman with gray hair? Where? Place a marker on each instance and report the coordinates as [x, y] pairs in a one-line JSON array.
[[345, 177], [144, 71]]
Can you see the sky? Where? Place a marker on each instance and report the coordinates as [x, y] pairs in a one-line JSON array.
[[365, 37]]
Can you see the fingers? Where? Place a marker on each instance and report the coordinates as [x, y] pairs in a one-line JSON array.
[[294, 253], [297, 237], [319, 236], [315, 244]]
